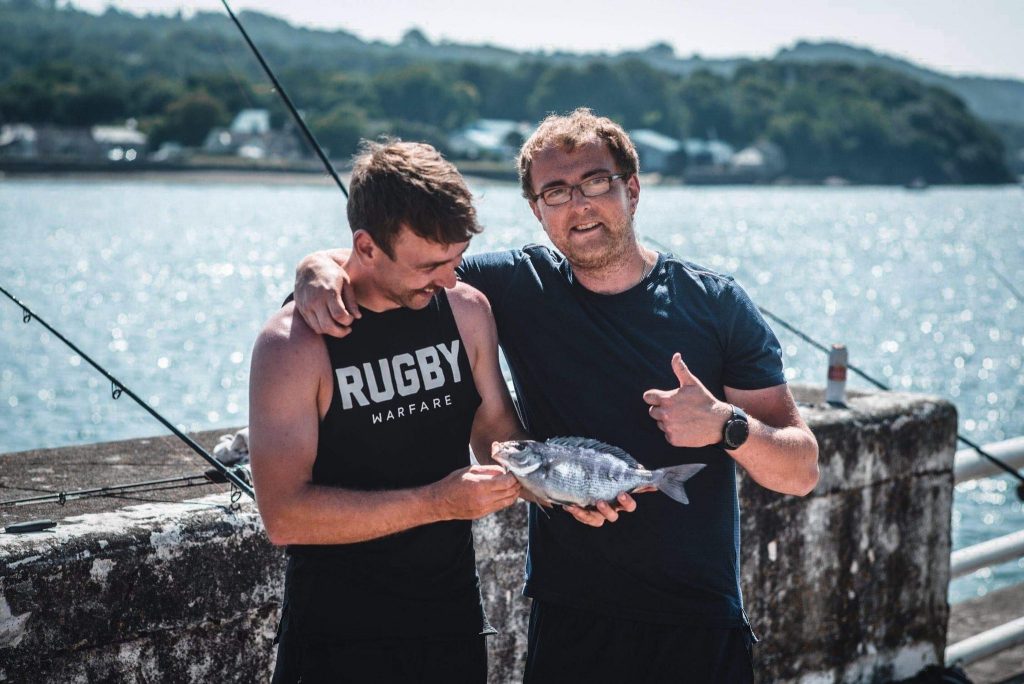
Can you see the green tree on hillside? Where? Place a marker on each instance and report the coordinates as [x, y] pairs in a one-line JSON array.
[[190, 118], [340, 131], [422, 93], [706, 96]]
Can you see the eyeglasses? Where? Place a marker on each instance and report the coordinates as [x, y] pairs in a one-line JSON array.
[[592, 187]]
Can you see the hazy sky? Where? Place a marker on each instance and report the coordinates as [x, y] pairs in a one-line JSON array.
[[982, 37]]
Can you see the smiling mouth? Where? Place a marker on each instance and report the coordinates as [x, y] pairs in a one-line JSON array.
[[585, 227]]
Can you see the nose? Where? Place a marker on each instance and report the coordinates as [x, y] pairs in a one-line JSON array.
[[578, 200], [447, 279]]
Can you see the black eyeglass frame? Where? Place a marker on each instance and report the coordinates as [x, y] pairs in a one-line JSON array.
[[579, 186]]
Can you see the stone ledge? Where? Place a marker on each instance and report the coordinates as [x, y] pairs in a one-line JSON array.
[[139, 575], [847, 584], [31, 473]]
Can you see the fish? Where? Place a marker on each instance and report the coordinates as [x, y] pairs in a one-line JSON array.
[[578, 471]]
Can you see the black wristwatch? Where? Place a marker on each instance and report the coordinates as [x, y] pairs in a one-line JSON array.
[[735, 431]]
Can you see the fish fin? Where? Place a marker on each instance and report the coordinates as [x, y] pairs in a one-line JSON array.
[[670, 480], [597, 445], [543, 507]]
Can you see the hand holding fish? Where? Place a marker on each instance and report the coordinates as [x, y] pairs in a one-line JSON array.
[[690, 416], [604, 512], [476, 491]]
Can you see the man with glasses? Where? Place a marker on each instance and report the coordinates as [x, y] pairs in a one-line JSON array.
[[608, 339]]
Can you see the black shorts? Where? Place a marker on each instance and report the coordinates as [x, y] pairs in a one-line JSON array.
[[459, 661], [566, 645]]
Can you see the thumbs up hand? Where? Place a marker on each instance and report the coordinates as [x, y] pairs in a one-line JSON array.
[[689, 415]]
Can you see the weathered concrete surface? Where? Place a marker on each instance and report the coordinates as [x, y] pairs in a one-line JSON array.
[[31, 473], [845, 585], [501, 561], [176, 585], [849, 584], [151, 592]]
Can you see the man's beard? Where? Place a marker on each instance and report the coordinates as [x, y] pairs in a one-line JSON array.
[[613, 249]]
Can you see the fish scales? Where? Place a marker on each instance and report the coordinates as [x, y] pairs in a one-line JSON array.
[[582, 472]]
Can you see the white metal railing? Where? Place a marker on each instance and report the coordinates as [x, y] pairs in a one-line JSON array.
[[969, 465], [981, 646], [991, 552]]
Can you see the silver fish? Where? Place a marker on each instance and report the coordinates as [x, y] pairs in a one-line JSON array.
[[581, 472]]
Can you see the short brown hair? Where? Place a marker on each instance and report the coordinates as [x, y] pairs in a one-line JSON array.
[[571, 130], [395, 183]]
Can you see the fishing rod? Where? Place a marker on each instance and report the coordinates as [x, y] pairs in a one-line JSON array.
[[1006, 281], [881, 385], [802, 335], [877, 383], [287, 101], [117, 388], [211, 476]]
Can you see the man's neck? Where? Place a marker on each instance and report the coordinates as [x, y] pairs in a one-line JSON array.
[[368, 296], [618, 276]]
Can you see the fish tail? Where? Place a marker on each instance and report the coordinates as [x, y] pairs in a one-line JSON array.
[[670, 480]]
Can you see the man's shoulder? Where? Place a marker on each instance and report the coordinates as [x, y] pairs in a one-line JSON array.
[[541, 256], [497, 274], [711, 282], [512, 258], [469, 305], [467, 298], [286, 335]]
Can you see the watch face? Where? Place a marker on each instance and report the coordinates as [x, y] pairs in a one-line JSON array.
[[736, 432]]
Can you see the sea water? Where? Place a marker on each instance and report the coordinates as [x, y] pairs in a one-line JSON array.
[[167, 284]]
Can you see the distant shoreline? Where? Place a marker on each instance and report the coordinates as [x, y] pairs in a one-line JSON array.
[[312, 175], [487, 172], [183, 176]]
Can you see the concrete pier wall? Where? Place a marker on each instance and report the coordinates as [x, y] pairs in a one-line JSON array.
[[845, 585], [170, 586], [850, 583]]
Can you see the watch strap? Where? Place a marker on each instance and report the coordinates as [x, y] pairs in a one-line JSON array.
[[738, 416]]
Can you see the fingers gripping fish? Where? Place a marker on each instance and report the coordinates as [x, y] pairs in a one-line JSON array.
[[579, 471]]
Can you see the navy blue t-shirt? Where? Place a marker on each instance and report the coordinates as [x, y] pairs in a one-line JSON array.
[[580, 363]]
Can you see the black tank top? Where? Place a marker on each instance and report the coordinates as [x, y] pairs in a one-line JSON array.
[[400, 416]]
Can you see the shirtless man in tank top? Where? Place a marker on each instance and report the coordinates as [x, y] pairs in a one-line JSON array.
[[359, 444]]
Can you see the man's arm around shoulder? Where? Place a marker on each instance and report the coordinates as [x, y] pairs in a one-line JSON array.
[[290, 388]]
